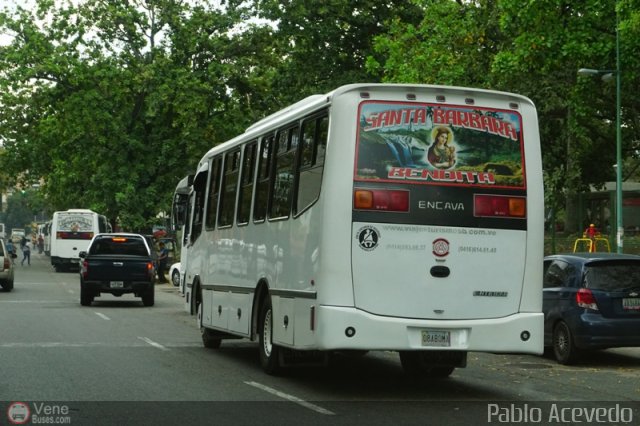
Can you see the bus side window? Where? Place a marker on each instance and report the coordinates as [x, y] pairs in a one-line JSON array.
[[199, 188], [229, 188], [246, 182], [262, 184], [214, 192], [314, 143], [283, 173], [186, 234]]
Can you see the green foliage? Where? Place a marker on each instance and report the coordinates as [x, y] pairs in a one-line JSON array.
[[21, 209], [322, 45], [108, 104], [112, 104], [533, 48]]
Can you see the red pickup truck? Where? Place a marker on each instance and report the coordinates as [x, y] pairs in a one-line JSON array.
[[117, 263]]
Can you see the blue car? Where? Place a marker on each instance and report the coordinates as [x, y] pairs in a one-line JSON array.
[[591, 301]]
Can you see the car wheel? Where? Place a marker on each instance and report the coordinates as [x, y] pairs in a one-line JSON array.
[[415, 364], [175, 278], [7, 286], [564, 348], [269, 353], [85, 297], [149, 297]]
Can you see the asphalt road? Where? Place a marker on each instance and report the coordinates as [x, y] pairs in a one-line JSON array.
[[118, 362]]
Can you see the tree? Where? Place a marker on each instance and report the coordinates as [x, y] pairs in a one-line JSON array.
[[112, 103], [322, 45], [535, 49], [22, 207]]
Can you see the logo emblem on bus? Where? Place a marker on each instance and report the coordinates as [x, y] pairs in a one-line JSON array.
[[440, 247], [368, 237]]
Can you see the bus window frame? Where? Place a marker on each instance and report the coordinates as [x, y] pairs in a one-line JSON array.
[[289, 131], [269, 138], [243, 182], [215, 168], [317, 118], [235, 156]]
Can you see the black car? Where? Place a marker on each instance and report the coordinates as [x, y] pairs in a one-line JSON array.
[[117, 263], [591, 301]]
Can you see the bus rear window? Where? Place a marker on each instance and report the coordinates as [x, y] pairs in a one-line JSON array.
[[439, 144]]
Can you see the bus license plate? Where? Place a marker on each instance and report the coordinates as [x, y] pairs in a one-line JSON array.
[[436, 338], [631, 304], [117, 284]]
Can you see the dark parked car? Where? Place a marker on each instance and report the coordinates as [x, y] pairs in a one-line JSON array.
[[591, 301], [6, 267]]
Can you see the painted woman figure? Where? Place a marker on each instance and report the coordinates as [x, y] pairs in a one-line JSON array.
[[440, 153]]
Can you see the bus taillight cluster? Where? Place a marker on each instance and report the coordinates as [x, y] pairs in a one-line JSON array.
[[499, 206], [381, 199]]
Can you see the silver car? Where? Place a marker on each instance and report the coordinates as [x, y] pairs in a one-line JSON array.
[[6, 267]]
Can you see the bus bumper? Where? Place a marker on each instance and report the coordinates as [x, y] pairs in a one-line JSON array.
[[350, 328]]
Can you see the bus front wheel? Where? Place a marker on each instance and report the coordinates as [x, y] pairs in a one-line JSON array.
[[269, 353]]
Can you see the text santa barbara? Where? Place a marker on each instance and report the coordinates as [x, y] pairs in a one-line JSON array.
[[453, 117]]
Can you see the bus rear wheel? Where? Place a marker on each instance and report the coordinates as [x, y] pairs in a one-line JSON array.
[[269, 353], [419, 364]]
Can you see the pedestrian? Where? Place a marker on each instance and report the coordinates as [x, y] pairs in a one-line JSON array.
[[26, 253], [163, 256], [591, 232]]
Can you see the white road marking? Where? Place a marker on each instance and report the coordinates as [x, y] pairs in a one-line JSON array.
[[291, 398], [35, 301], [152, 343], [92, 345], [103, 316]]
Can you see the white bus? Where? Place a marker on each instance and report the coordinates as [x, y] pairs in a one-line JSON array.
[[375, 217], [71, 232], [179, 222]]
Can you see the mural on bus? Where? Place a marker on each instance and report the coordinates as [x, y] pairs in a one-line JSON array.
[[424, 143]]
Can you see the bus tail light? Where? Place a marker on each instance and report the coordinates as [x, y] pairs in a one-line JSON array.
[[68, 235], [500, 206], [381, 199]]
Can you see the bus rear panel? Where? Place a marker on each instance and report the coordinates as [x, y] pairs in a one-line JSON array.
[[447, 207], [71, 232]]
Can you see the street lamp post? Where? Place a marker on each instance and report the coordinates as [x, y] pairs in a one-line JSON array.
[[606, 75]]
